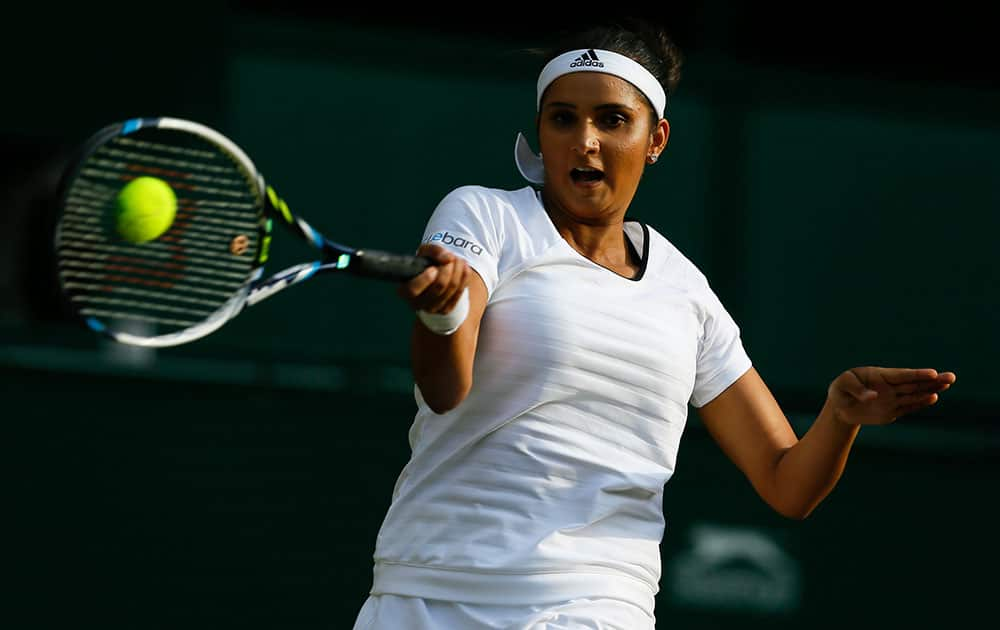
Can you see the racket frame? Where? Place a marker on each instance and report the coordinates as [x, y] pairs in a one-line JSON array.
[[270, 208]]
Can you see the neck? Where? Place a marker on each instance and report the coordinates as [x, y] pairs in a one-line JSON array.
[[601, 239]]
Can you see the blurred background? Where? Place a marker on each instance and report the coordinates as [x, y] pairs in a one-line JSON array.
[[833, 171]]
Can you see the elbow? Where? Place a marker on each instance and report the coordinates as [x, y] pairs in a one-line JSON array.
[[794, 512], [443, 400], [795, 515], [442, 406], [793, 506]]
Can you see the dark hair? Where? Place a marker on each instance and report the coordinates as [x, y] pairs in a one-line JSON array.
[[640, 40]]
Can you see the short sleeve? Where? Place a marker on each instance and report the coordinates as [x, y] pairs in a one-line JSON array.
[[465, 223], [721, 356]]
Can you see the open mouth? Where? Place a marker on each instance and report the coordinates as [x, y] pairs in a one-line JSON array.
[[586, 175]]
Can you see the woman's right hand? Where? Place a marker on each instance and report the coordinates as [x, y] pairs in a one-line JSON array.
[[438, 288]]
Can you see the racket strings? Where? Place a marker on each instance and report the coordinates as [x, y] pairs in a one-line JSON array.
[[181, 183], [168, 254], [86, 191], [185, 276], [218, 230], [116, 263]]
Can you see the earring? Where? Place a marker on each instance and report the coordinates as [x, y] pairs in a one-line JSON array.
[[653, 157]]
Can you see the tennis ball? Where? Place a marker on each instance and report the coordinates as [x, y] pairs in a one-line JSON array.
[[144, 209]]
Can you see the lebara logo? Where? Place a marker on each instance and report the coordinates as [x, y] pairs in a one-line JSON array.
[[455, 241], [588, 59]]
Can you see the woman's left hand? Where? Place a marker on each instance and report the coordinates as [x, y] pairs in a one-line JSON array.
[[876, 395]]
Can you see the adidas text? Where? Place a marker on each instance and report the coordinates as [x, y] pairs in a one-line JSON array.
[[586, 62]]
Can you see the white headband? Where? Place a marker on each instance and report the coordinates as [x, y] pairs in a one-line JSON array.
[[608, 62], [586, 60]]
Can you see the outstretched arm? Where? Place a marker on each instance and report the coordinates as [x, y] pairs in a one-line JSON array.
[[794, 475]]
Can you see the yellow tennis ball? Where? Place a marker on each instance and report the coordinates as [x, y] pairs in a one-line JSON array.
[[145, 209]]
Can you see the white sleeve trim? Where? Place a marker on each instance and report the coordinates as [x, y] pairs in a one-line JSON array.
[[721, 380]]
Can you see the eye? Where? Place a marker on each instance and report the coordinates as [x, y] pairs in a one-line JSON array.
[[613, 120], [562, 118]]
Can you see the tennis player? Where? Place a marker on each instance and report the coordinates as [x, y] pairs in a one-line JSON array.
[[556, 349]]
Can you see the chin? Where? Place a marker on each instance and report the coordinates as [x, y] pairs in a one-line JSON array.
[[584, 206]]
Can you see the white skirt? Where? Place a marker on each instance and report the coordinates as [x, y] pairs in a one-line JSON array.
[[395, 612]]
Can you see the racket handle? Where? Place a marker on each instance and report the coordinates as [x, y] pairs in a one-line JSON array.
[[387, 266]]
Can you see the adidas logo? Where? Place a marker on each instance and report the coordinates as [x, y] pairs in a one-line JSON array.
[[588, 59]]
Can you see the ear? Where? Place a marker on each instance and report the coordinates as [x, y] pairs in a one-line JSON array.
[[659, 137]]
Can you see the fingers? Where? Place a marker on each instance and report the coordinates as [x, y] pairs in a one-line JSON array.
[[460, 282], [902, 376], [433, 289], [937, 385], [875, 395], [914, 389], [438, 288], [905, 380], [915, 403], [921, 399], [435, 252]]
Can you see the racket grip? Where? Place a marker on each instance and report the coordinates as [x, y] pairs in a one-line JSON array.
[[387, 266]]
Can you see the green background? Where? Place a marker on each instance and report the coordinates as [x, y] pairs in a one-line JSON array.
[[239, 482]]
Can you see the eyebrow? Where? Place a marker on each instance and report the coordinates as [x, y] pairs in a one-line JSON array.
[[602, 106]]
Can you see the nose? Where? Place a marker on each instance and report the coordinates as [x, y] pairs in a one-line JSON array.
[[588, 141]]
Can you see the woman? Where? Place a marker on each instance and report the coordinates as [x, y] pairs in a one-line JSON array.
[[556, 349]]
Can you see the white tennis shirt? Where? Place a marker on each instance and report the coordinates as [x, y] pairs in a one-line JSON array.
[[545, 484]]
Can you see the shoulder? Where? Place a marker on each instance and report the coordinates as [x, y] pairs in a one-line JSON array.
[[673, 265], [484, 197], [502, 211], [489, 217], [674, 271]]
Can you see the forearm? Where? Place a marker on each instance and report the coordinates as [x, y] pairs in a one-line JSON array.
[[454, 296], [442, 364], [808, 471], [793, 475]]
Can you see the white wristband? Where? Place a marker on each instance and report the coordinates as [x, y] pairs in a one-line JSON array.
[[447, 323]]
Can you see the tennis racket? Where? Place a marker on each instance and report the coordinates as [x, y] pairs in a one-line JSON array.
[[209, 265]]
